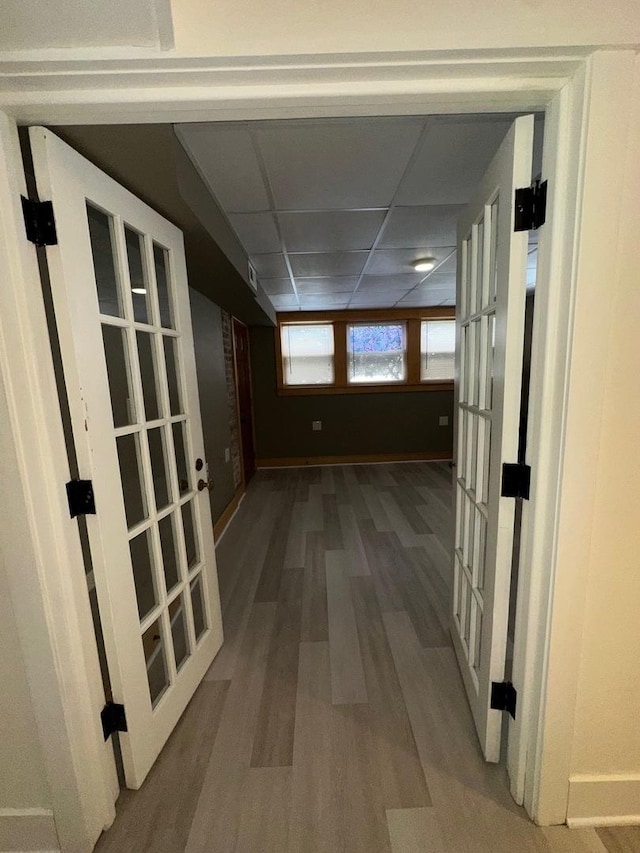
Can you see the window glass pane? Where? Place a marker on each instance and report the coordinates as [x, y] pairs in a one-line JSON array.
[[307, 354], [179, 630], [117, 358], [161, 484], [376, 352], [162, 280], [437, 349], [104, 268], [137, 277], [142, 562], [184, 478], [190, 536], [156, 663], [135, 504], [172, 375], [146, 356], [197, 603], [169, 551]]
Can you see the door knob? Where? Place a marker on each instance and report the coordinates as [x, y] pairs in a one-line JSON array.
[[205, 484]]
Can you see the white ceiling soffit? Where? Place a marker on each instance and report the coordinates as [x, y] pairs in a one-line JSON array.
[[333, 212], [34, 26]]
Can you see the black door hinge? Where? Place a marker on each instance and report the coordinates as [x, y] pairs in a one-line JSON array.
[[504, 697], [516, 480], [113, 719], [81, 498], [531, 206], [39, 222]]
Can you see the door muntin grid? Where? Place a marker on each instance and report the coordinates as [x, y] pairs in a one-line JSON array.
[[151, 428], [477, 314]]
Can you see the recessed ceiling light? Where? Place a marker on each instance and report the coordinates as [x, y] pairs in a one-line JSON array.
[[424, 264], [141, 290]]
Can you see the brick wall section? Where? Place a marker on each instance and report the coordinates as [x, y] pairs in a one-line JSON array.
[[227, 341]]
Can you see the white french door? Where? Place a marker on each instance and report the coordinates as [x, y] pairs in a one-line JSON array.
[[119, 285], [490, 330]]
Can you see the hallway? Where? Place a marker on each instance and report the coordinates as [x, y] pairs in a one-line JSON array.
[[334, 718]]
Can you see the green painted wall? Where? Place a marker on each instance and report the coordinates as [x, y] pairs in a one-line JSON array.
[[351, 423]]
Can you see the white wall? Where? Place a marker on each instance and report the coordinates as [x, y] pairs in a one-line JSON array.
[[605, 766], [248, 27]]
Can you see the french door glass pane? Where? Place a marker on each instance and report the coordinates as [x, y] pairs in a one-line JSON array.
[[156, 662], [179, 630], [172, 375], [493, 264], [117, 358], [169, 551], [104, 265], [160, 260], [148, 375], [184, 479], [197, 603], [143, 575], [190, 538], [131, 476], [480, 265], [161, 484], [137, 277]]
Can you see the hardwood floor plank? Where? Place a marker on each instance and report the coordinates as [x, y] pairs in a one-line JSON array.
[[296, 538], [274, 560], [358, 563], [401, 774], [471, 797], [561, 839], [311, 827], [273, 744], [620, 839], [314, 626], [217, 815], [264, 822], [415, 831], [314, 520], [347, 673], [331, 523], [380, 518], [380, 559], [326, 480], [158, 817]]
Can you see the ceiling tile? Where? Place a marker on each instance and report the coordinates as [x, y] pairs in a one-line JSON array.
[[449, 266], [453, 158], [341, 284], [372, 283], [377, 299], [396, 261], [330, 231], [441, 281], [257, 232], [425, 225], [337, 163], [277, 286], [425, 295], [270, 266], [327, 263], [284, 303], [327, 301], [226, 158]]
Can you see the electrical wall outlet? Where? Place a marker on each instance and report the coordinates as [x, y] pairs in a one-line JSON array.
[[316, 426], [227, 455], [443, 420]]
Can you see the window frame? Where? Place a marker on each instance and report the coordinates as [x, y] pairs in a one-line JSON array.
[[340, 320]]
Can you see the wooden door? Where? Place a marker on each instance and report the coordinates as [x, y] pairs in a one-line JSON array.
[[490, 333], [245, 402], [119, 286]]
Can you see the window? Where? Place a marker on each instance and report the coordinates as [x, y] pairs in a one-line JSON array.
[[437, 349], [365, 352], [307, 354], [377, 352]]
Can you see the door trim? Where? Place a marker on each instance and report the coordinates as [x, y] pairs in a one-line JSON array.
[[578, 86]]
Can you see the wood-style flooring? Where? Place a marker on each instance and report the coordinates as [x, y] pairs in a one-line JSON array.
[[333, 719]]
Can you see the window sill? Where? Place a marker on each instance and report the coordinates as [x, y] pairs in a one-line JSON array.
[[361, 388]]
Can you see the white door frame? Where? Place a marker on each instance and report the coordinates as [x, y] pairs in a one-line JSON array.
[[584, 98]]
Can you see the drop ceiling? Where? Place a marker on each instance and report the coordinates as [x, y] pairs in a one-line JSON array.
[[333, 212]]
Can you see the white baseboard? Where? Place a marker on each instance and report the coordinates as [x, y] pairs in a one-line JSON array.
[[604, 800], [28, 831]]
